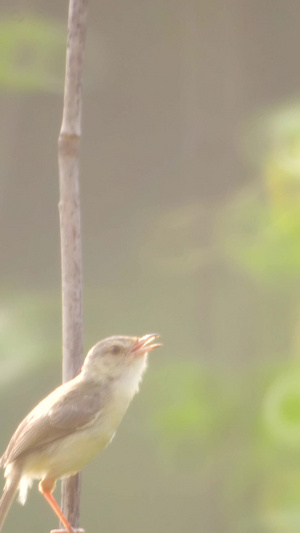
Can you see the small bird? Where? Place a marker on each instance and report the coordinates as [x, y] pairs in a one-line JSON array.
[[75, 422]]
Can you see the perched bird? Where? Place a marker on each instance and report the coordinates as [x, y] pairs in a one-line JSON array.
[[75, 422]]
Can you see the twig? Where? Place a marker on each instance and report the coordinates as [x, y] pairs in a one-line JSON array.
[[70, 227]]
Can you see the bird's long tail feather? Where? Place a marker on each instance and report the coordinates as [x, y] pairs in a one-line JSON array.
[[9, 491]]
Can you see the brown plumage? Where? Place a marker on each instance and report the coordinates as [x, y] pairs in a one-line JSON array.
[[74, 422]]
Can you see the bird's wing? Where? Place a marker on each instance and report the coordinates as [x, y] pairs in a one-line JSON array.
[[68, 409]]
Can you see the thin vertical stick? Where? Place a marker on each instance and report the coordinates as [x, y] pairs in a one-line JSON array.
[[70, 227]]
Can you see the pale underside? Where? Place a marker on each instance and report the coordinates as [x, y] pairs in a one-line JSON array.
[[66, 431]]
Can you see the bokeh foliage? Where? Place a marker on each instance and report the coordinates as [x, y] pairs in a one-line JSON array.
[[236, 431], [31, 54]]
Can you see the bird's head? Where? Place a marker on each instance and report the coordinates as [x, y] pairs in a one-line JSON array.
[[119, 358]]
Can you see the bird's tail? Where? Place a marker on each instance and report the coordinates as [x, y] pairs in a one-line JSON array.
[[9, 491]]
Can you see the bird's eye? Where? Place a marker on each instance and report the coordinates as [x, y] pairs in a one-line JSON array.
[[115, 349]]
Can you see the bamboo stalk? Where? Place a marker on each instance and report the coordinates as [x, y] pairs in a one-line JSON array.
[[70, 225]]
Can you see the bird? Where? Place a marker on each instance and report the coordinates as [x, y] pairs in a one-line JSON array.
[[75, 422]]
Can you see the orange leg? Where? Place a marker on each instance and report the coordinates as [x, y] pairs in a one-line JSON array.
[[46, 487]]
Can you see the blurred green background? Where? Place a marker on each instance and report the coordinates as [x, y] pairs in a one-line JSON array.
[[190, 183]]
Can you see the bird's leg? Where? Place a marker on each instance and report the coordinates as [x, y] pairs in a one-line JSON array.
[[46, 487]]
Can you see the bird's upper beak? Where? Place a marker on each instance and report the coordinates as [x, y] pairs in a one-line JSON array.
[[143, 345]]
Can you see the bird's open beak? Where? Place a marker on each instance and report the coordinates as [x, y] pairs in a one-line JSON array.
[[143, 345]]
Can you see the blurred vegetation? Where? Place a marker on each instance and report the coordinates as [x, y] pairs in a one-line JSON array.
[[257, 231], [261, 226], [32, 51], [241, 429], [21, 349], [232, 429]]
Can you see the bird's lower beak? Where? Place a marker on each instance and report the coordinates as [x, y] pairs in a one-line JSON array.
[[143, 345]]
